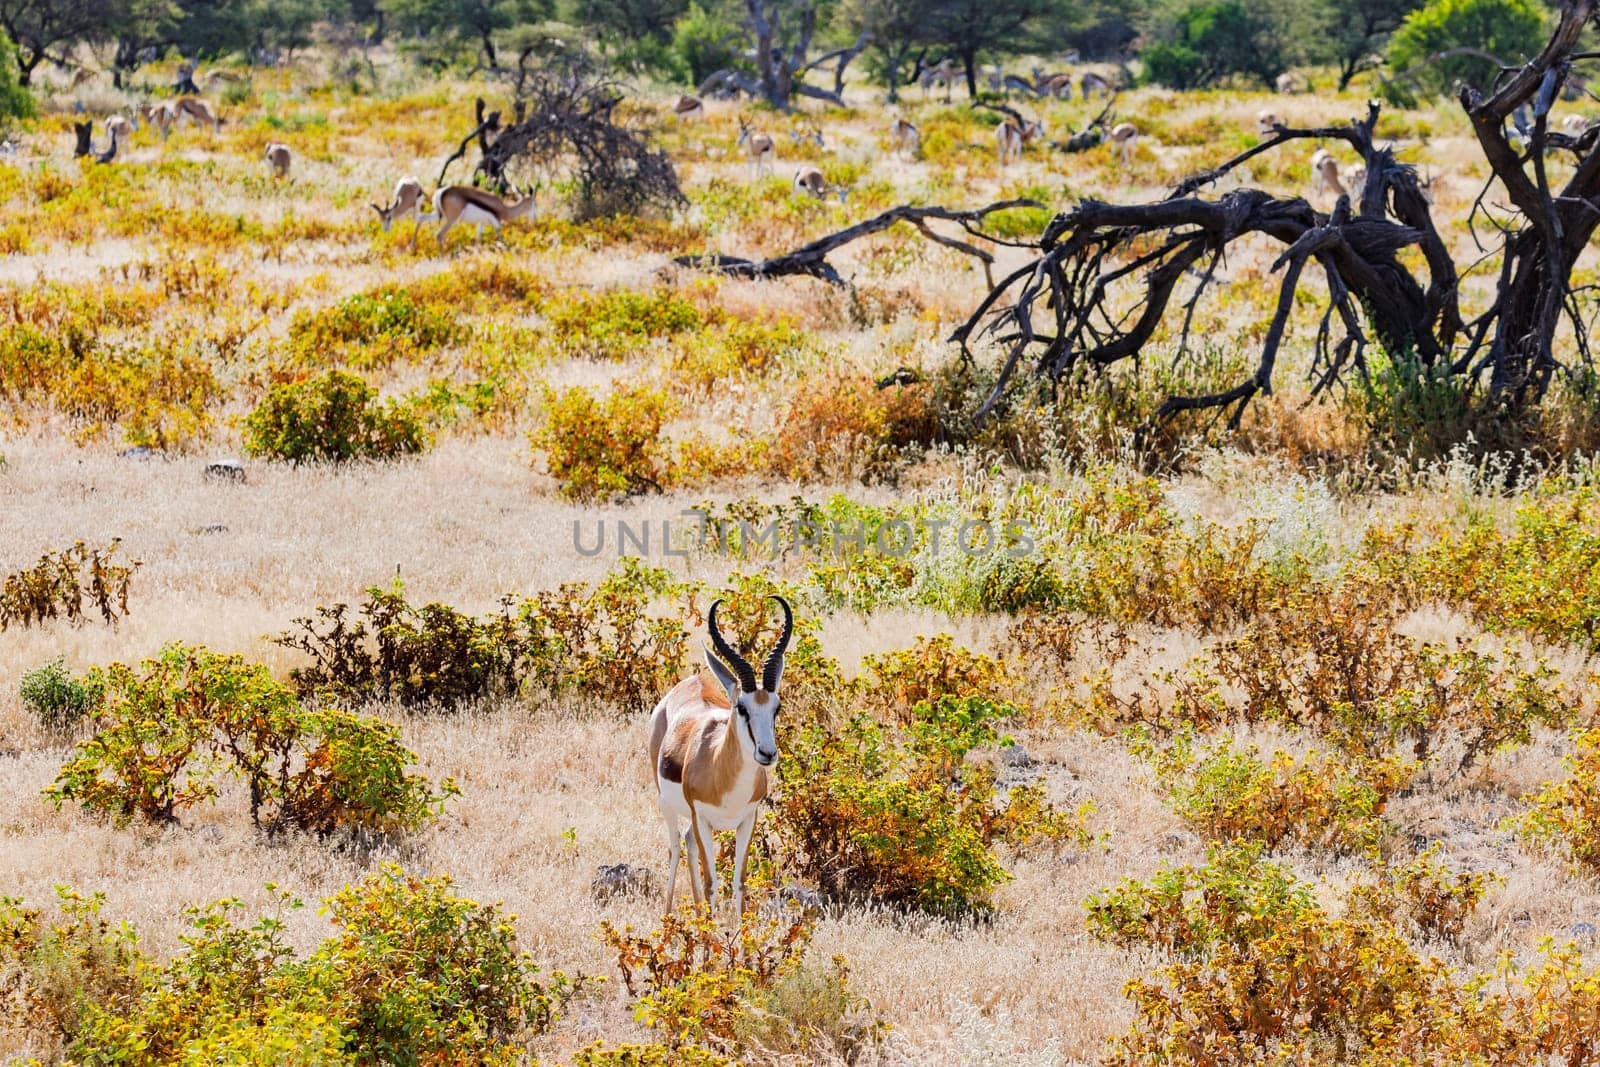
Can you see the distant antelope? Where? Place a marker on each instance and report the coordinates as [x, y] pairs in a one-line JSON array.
[[811, 180], [1325, 174], [474, 207], [1122, 137], [1058, 85], [689, 107], [758, 146], [711, 742], [198, 112], [216, 78], [904, 137], [944, 73], [279, 157], [1093, 83], [1575, 124], [118, 126], [812, 133], [1012, 134], [1267, 123], [1286, 83], [408, 200]]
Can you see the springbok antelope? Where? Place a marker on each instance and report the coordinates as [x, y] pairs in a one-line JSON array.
[[163, 116], [811, 180], [711, 742], [1325, 174], [1286, 83], [689, 107], [1058, 85], [944, 73], [1267, 123], [279, 157], [1093, 83], [760, 147], [1122, 137], [408, 200], [198, 112], [904, 137], [474, 207], [1575, 125], [1012, 134], [118, 126]]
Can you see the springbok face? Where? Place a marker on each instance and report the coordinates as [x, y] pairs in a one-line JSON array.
[[755, 704]]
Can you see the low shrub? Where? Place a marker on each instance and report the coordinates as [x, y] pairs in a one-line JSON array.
[[1436, 899], [619, 322], [1565, 815], [600, 448], [904, 818], [892, 684], [838, 423], [414, 973], [372, 330], [332, 418], [62, 584], [58, 700], [166, 731]]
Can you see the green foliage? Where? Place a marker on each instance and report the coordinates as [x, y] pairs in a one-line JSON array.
[[599, 448], [51, 973], [1415, 409], [1565, 815], [1511, 30], [333, 418], [165, 733], [61, 582], [15, 100], [414, 974], [904, 818], [371, 330], [618, 323], [57, 699], [703, 41], [1208, 40]]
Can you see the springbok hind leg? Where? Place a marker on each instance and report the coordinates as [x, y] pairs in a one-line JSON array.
[[674, 848], [708, 866]]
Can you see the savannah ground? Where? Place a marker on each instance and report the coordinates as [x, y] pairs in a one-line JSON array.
[[186, 264]]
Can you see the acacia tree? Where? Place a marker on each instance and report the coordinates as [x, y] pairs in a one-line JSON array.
[[779, 36], [970, 28], [49, 29], [1106, 275]]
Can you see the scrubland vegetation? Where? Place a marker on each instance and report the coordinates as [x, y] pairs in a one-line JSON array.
[[1106, 737]]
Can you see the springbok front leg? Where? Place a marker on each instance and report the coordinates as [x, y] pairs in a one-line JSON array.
[[741, 850], [703, 839], [674, 847]]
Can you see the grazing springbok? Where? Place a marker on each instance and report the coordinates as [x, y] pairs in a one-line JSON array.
[[1122, 137], [689, 107], [1012, 134], [408, 200], [474, 207], [711, 742], [163, 116], [944, 73], [118, 126], [1267, 123], [198, 112], [1287, 83], [760, 147], [811, 180], [904, 137], [1093, 83], [1058, 85], [1325, 174], [279, 157]]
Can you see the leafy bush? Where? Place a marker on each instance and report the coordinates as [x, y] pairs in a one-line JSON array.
[[413, 974], [15, 100], [1435, 898], [57, 699], [1565, 815], [1513, 30], [598, 448], [334, 418], [371, 330], [59, 584], [838, 423], [164, 732], [712, 992], [892, 684], [1414, 408], [618, 323], [1209, 40], [906, 819]]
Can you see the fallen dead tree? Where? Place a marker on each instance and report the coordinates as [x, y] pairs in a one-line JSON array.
[[1106, 275], [812, 259]]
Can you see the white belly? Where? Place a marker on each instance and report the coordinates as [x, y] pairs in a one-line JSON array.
[[473, 215], [728, 816]]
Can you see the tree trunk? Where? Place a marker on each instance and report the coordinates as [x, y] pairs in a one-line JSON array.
[[969, 56], [488, 48]]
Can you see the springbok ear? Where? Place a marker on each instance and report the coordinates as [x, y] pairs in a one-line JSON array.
[[724, 675]]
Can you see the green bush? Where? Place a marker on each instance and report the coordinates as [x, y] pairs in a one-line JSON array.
[[372, 330], [52, 972], [166, 731], [57, 699], [1208, 40], [1512, 30], [702, 39], [414, 974], [15, 100], [334, 418], [902, 817], [601, 448]]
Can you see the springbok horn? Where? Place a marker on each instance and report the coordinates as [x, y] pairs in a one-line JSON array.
[[741, 666], [772, 670]]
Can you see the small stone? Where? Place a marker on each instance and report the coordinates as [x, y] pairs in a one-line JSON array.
[[620, 880], [140, 452], [1584, 930], [213, 528], [1015, 756], [228, 470]]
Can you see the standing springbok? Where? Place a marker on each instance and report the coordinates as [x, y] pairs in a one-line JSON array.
[[904, 137], [198, 111], [1325, 174], [689, 107], [474, 207], [279, 158], [119, 127], [1012, 134], [1122, 137], [760, 147], [711, 743], [1093, 83]]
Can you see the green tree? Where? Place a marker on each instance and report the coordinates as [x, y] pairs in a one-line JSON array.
[[50, 29], [1509, 30], [1352, 33], [1204, 41], [973, 28], [475, 20], [898, 29], [15, 101]]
